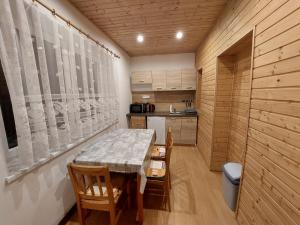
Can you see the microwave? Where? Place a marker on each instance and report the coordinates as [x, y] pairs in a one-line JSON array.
[[142, 108], [138, 108]]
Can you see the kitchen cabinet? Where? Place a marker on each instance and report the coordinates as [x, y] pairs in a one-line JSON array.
[[141, 77], [188, 80], [175, 124], [184, 129], [188, 132], [173, 80], [138, 122], [159, 81]]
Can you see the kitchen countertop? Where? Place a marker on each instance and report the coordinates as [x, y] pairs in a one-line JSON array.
[[164, 114]]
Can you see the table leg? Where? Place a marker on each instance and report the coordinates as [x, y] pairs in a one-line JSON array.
[[140, 203]]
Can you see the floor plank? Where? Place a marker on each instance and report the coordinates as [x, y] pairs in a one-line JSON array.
[[196, 197]]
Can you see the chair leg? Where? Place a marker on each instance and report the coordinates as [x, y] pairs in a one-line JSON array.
[[170, 180], [167, 193], [169, 201], [112, 215], [128, 194], [81, 215], [164, 201]]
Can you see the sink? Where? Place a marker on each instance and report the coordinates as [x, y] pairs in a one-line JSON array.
[[176, 113]]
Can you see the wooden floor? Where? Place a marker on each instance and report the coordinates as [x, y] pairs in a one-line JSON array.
[[196, 197]]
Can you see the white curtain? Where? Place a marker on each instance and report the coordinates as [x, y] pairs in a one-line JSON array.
[[62, 84]]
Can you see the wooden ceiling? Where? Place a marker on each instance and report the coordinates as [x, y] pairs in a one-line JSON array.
[[157, 20]]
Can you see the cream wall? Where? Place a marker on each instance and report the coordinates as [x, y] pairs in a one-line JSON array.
[[163, 62], [45, 195]]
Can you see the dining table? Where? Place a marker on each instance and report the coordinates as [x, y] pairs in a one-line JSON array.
[[124, 151]]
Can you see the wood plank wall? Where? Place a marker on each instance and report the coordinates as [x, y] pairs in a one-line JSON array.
[[232, 101], [270, 190], [240, 106], [223, 108]]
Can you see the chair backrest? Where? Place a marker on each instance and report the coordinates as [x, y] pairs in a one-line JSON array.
[[169, 147], [91, 182]]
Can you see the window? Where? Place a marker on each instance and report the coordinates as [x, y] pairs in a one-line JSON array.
[[7, 112], [52, 73]]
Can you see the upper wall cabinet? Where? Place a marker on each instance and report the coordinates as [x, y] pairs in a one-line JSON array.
[[141, 77], [141, 81], [159, 80], [188, 80], [171, 80]]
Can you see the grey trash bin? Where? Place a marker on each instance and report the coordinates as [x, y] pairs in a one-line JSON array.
[[231, 181]]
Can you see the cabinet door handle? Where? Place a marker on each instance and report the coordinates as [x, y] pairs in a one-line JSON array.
[[141, 81], [173, 88], [159, 88], [189, 87]]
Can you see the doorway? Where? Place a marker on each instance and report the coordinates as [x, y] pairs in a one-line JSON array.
[[199, 83], [232, 102]]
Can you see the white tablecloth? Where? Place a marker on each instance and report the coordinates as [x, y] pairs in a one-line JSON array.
[[122, 150]]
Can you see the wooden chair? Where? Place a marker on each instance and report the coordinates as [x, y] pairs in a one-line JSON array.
[[158, 152], [158, 174], [95, 190]]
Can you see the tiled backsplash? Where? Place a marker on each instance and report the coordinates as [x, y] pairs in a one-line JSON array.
[[162, 100]]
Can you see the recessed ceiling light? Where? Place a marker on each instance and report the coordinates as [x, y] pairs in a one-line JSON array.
[[140, 38], [179, 35]]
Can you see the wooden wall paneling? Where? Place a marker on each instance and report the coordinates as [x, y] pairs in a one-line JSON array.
[[223, 103], [282, 80], [240, 103], [247, 76], [261, 199], [198, 89], [270, 185], [269, 188], [232, 102]]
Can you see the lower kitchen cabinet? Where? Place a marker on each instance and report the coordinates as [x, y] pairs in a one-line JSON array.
[[175, 124], [188, 133], [184, 129], [138, 122]]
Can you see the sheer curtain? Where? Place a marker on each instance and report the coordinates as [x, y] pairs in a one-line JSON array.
[[62, 84]]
